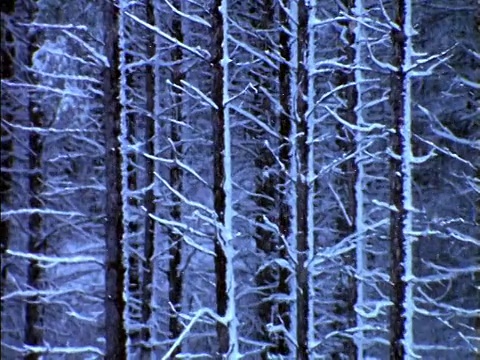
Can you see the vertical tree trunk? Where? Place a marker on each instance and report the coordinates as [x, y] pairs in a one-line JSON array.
[[222, 185], [400, 187], [34, 334], [115, 334], [347, 142], [284, 183], [176, 182], [303, 186], [148, 201], [7, 54]]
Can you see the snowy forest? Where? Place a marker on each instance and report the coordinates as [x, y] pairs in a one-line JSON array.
[[240, 179]]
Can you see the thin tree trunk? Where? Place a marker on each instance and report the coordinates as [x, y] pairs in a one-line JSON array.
[[303, 187], [176, 182], [148, 201], [6, 144], [222, 185], [115, 333], [34, 332], [400, 187], [347, 293], [284, 183], [132, 239]]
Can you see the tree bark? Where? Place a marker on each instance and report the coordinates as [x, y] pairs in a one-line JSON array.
[[284, 183], [115, 334], [398, 213], [7, 54], [149, 199], [303, 187], [34, 333], [176, 182]]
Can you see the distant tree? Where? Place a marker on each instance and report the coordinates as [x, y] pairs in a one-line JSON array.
[[115, 332]]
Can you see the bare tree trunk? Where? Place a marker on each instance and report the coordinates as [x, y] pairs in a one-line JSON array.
[[131, 240], [303, 188], [148, 201], [115, 334], [176, 182], [346, 294], [284, 183], [34, 332], [7, 54], [222, 185], [400, 186]]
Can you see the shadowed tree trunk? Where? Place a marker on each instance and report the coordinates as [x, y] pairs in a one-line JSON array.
[[149, 199], [7, 54], [284, 183], [34, 332], [346, 291], [175, 276], [303, 188], [115, 334]]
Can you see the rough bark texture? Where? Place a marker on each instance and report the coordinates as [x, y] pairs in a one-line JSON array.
[[302, 187], [34, 333], [285, 213], [148, 201], [397, 216], [218, 124], [345, 293], [175, 277], [7, 54], [132, 239], [115, 334]]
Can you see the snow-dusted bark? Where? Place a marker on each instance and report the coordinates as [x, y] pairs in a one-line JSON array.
[[360, 228], [115, 333], [175, 277], [6, 143], [148, 200], [304, 179], [285, 184], [401, 221], [222, 184]]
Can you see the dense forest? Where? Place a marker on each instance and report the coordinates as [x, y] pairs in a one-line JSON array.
[[240, 179]]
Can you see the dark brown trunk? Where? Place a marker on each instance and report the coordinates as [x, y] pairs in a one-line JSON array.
[[397, 216], [149, 199], [176, 182], [218, 124], [115, 334], [302, 187]]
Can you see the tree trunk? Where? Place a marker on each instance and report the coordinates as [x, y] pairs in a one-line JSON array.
[[346, 294], [222, 186], [148, 201], [176, 182], [303, 187], [34, 333], [7, 54], [115, 334], [400, 187], [284, 183]]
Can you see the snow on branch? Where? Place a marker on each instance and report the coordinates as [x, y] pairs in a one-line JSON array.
[[5, 214], [55, 26], [100, 59], [201, 53], [53, 261]]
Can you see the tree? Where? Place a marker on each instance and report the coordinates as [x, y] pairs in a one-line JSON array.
[[304, 137], [222, 184], [115, 333]]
